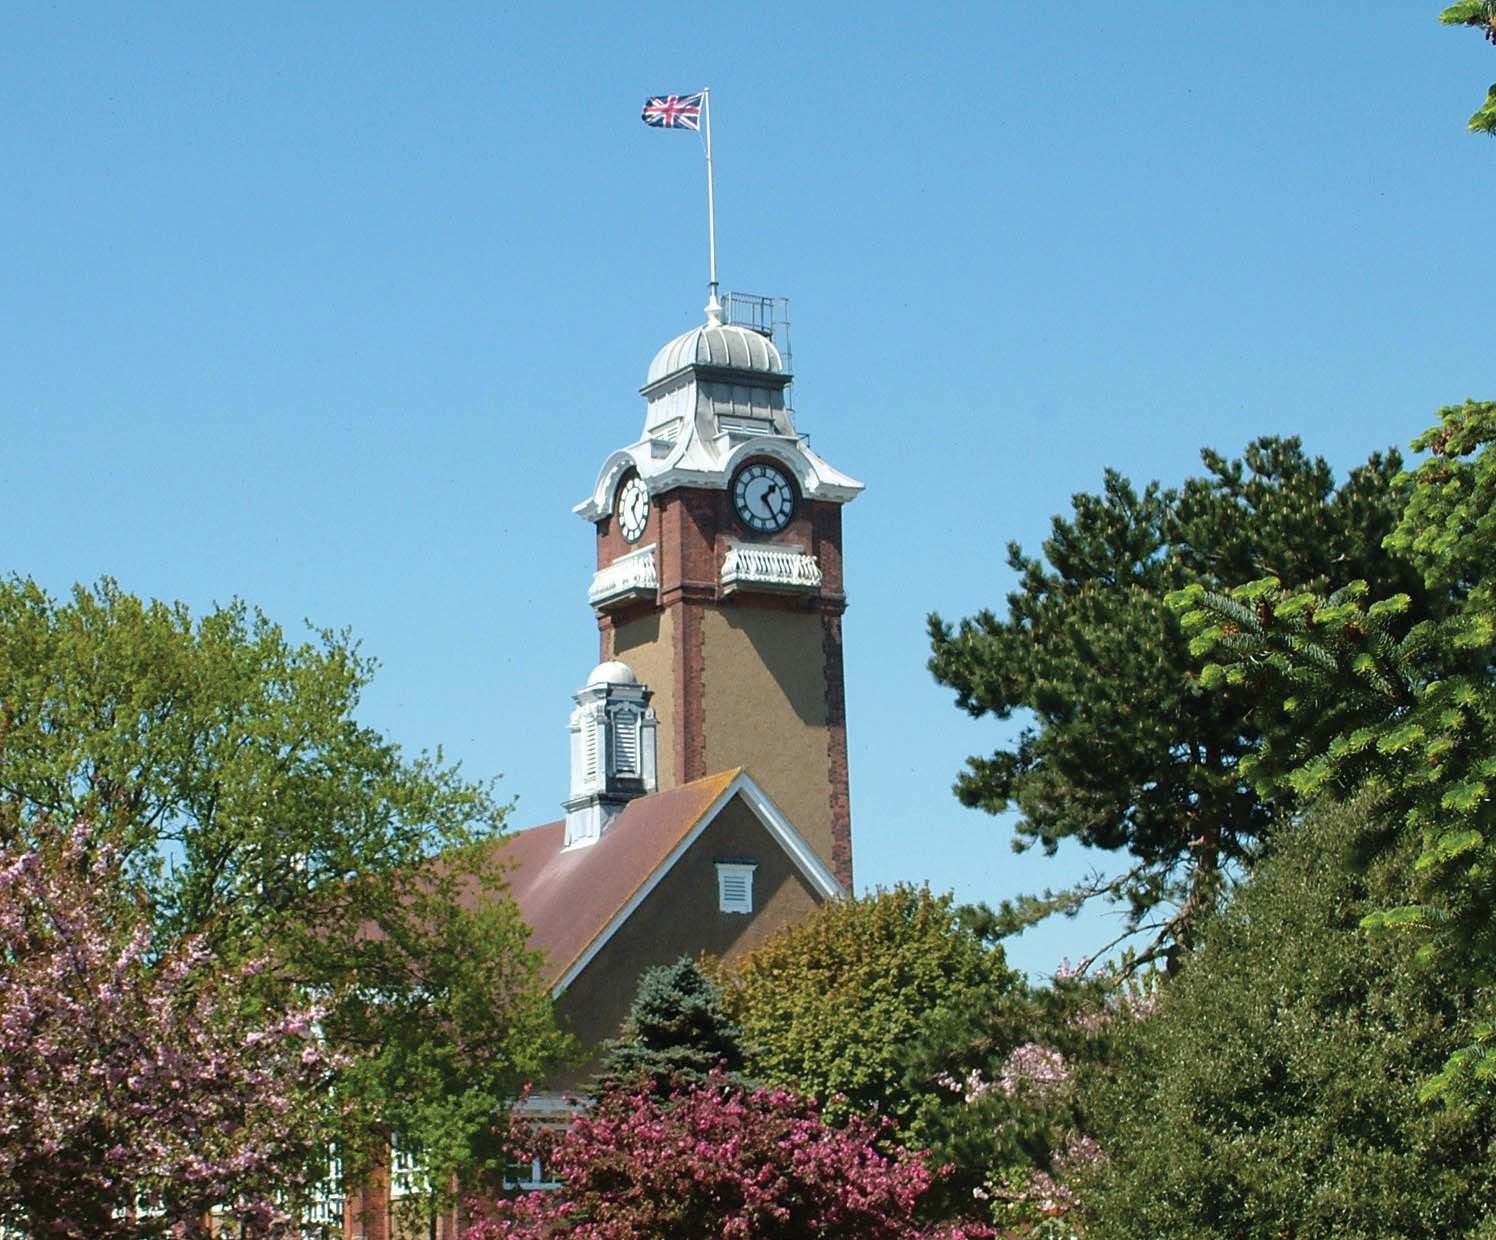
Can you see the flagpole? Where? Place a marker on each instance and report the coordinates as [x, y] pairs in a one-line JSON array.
[[713, 306]]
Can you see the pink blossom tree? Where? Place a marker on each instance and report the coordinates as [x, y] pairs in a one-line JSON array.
[[717, 1160], [136, 1093]]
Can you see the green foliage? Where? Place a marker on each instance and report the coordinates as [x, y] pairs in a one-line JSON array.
[[1469, 13], [1276, 1089], [1403, 710], [831, 1006], [1121, 751], [250, 808], [675, 1036], [996, 1099], [1482, 15]]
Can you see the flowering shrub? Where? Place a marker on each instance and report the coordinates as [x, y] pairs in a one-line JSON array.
[[717, 1160], [1035, 1198], [134, 1094]]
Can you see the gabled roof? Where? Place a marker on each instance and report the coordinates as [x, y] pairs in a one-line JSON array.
[[575, 899]]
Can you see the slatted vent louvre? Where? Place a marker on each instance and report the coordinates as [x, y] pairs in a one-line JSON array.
[[735, 887], [589, 751], [626, 744]]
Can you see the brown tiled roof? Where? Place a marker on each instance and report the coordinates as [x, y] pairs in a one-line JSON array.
[[569, 897]]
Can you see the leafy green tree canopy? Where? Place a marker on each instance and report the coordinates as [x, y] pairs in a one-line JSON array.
[[676, 1034], [1275, 1090], [994, 1083], [225, 768], [1482, 15], [830, 1006], [1119, 750], [1383, 701]]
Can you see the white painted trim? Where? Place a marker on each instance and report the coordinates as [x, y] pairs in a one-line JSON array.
[[704, 468], [801, 853], [600, 503], [793, 843]]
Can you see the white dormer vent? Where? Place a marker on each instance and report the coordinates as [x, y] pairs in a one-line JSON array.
[[612, 751], [735, 886]]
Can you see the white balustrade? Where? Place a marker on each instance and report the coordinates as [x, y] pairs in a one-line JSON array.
[[629, 577], [769, 568]]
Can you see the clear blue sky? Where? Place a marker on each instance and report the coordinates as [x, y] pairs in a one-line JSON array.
[[338, 308]]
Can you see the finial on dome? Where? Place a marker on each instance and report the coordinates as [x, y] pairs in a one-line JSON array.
[[713, 306]]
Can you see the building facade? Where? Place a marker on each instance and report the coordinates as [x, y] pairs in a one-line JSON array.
[[708, 803], [719, 579]]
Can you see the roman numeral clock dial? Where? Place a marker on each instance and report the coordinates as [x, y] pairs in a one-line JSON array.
[[763, 498]]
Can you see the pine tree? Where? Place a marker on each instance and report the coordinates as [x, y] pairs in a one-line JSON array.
[[1399, 707], [1123, 753], [676, 1033]]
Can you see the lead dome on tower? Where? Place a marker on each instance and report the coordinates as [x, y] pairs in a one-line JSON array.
[[717, 344], [612, 672]]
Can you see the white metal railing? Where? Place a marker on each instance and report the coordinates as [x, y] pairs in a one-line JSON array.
[[769, 568], [629, 576]]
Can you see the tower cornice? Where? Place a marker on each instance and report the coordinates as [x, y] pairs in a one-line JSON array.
[[816, 479]]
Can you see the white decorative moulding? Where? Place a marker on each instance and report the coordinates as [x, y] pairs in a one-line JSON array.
[[769, 568], [629, 577]]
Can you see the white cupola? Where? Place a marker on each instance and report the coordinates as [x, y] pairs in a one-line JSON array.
[[714, 398], [612, 750]]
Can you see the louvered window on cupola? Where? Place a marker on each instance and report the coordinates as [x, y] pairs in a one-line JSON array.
[[590, 736], [626, 743], [735, 886]]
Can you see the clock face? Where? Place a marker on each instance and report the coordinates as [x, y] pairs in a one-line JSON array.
[[633, 507], [763, 498]]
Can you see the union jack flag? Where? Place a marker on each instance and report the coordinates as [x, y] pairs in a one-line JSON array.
[[673, 111]]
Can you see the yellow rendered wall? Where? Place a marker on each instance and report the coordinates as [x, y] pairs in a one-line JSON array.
[[765, 700], [646, 646]]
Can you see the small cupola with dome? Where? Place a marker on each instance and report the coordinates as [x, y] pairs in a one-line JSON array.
[[715, 397], [612, 750], [721, 378]]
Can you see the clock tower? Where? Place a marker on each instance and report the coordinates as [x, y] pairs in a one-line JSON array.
[[719, 578]]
